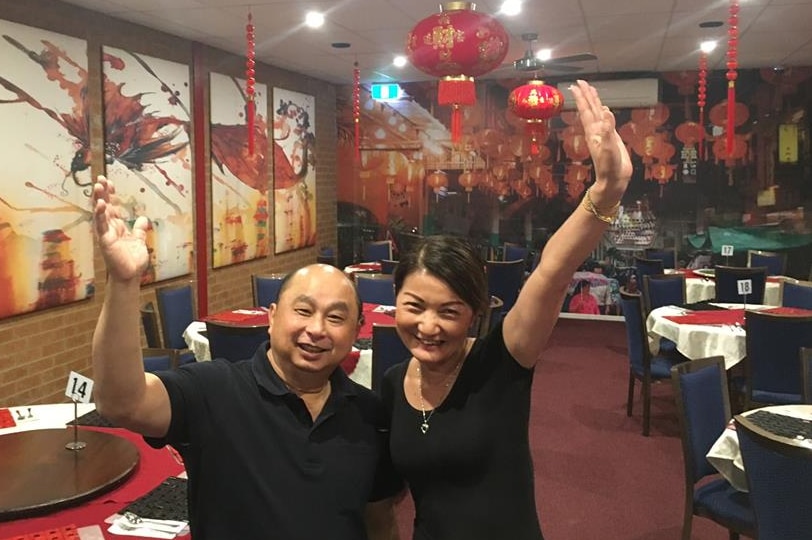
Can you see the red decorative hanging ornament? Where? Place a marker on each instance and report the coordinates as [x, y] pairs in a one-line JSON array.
[[250, 81], [701, 99], [535, 103], [732, 65], [356, 108], [457, 44]]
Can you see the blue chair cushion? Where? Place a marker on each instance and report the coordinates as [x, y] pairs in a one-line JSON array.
[[186, 358], [720, 499], [156, 363], [660, 367], [777, 398]]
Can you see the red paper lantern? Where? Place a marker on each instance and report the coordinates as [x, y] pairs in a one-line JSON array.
[[457, 44], [535, 102], [732, 65], [701, 98]]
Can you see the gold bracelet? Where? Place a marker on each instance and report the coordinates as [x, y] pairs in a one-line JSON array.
[[607, 216]]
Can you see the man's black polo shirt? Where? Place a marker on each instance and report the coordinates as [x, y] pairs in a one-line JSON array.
[[259, 467]]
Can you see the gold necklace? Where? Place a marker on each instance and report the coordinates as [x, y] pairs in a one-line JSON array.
[[424, 427]]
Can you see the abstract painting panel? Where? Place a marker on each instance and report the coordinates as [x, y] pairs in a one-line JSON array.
[[147, 126], [294, 138], [46, 242], [239, 174]]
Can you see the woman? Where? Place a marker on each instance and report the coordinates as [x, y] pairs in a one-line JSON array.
[[582, 300], [460, 406]]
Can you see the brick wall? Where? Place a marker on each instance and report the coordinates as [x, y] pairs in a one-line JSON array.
[[38, 350]]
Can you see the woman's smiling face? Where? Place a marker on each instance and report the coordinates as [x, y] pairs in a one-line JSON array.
[[432, 320]]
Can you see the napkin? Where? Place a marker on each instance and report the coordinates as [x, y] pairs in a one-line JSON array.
[[147, 528], [722, 316]]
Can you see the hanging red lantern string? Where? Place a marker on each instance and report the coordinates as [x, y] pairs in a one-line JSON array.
[[732, 65], [457, 44], [701, 96], [356, 108], [250, 108]]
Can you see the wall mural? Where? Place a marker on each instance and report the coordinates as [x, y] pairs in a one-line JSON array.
[[147, 123], [294, 136], [239, 179], [46, 242]]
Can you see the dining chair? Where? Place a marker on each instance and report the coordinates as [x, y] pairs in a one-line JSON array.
[[388, 266], [643, 366], [644, 267], [775, 262], [375, 288], [772, 373], [159, 359], [327, 255], [505, 278], [806, 374], [703, 409], [387, 351], [487, 319], [663, 290], [797, 294], [377, 250], [176, 311], [265, 288], [779, 479], [232, 342], [512, 252], [727, 289], [667, 255], [149, 321]]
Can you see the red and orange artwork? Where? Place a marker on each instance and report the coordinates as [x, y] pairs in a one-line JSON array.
[[239, 177], [147, 152], [46, 242], [294, 138]]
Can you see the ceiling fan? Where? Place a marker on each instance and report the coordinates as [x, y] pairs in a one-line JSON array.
[[530, 62]]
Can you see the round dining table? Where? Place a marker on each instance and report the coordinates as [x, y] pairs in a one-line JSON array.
[[699, 288]]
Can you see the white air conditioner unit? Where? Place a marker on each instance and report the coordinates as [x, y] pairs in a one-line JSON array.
[[619, 94]]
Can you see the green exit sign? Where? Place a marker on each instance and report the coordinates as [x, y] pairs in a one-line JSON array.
[[385, 91]]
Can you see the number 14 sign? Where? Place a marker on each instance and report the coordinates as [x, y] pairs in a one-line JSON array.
[[79, 387]]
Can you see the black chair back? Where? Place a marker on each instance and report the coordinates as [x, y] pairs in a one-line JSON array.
[[797, 294], [149, 320], [775, 262], [663, 290], [727, 289], [644, 267], [667, 255], [177, 311], [159, 359], [234, 343], [265, 288], [772, 371], [388, 266], [779, 479], [376, 288], [377, 250], [387, 351], [703, 407], [486, 320], [505, 278]]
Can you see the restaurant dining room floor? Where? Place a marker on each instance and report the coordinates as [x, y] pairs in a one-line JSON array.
[[597, 477]]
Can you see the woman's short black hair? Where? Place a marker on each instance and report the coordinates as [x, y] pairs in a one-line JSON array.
[[452, 259]]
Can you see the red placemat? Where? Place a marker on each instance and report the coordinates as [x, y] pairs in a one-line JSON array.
[[789, 311], [6, 419], [68, 532], [238, 316], [721, 316]]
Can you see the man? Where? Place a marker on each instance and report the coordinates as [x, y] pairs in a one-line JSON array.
[[281, 446]]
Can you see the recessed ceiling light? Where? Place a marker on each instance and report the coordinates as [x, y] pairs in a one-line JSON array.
[[399, 61], [340, 45], [711, 24], [314, 19], [511, 7]]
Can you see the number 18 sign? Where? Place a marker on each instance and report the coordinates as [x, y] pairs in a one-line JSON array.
[[79, 387]]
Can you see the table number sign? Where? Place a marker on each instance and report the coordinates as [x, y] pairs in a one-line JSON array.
[[745, 287], [79, 389], [727, 252]]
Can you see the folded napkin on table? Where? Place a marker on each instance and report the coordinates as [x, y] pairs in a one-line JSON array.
[[722, 316]]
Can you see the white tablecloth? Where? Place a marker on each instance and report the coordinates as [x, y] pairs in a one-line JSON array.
[[725, 456], [698, 340], [199, 344], [699, 289], [50, 416]]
